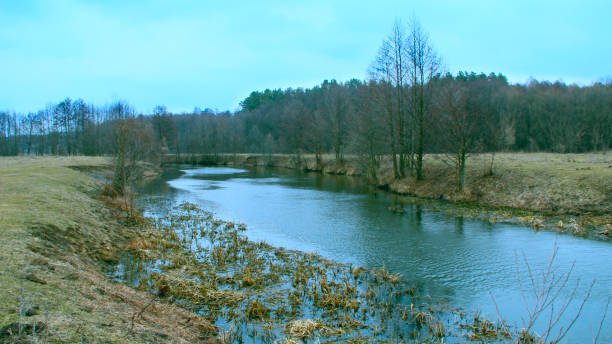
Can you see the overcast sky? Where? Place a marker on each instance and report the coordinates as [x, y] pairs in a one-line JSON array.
[[185, 54]]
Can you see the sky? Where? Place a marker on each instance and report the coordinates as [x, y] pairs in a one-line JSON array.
[[213, 54]]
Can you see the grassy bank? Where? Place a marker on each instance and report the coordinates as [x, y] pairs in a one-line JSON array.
[[57, 238], [574, 189]]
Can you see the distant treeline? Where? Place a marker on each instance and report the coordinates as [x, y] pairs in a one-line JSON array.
[[539, 116], [406, 108]]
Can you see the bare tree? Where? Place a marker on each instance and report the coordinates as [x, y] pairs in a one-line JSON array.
[[132, 143], [368, 138], [336, 106], [294, 122], [390, 69], [4, 132], [63, 118], [81, 114], [458, 120], [423, 65], [32, 122]]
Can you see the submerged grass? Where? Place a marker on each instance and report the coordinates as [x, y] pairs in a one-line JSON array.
[[255, 292]]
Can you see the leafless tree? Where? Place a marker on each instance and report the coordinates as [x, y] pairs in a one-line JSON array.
[[423, 65], [32, 123], [368, 137], [390, 70], [458, 122], [336, 107]]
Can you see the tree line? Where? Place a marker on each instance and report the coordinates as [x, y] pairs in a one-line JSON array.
[[408, 106]]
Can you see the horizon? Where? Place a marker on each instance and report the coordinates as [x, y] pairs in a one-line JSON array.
[[214, 55]]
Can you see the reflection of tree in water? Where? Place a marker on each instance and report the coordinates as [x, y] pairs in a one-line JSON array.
[[459, 224], [418, 215]]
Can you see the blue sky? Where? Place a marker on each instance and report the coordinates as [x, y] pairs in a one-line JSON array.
[[214, 53]]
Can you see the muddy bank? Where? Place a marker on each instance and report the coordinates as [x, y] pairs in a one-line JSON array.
[[566, 192]]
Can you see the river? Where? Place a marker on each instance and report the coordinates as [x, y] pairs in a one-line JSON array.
[[469, 264]]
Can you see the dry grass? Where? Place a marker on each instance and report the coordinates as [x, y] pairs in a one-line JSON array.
[[560, 183], [259, 293], [56, 239], [574, 185]]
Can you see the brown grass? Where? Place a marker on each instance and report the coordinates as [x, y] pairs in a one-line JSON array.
[[575, 185], [57, 238]]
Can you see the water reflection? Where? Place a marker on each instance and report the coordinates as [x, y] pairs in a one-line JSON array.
[[418, 215]]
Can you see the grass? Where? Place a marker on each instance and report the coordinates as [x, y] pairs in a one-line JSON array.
[[570, 187], [56, 239], [558, 183]]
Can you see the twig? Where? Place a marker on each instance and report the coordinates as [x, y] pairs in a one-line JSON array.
[[498, 312], [547, 289], [558, 339], [602, 321]]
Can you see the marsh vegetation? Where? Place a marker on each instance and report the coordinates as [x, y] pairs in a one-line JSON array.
[[255, 292]]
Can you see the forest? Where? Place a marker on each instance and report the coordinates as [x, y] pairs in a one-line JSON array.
[[407, 107]]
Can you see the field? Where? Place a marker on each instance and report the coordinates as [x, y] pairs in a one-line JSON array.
[[565, 185]]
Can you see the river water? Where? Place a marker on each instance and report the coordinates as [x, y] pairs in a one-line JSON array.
[[469, 264]]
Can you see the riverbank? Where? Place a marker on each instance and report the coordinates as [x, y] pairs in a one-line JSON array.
[[76, 271], [566, 192], [58, 237]]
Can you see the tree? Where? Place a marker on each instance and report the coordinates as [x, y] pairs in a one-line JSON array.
[[336, 107], [4, 133], [125, 159], [165, 129], [368, 139], [32, 122], [80, 113], [390, 69], [293, 125], [63, 118], [499, 133], [598, 102], [317, 117], [459, 120], [423, 65], [131, 143]]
